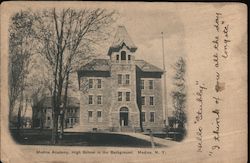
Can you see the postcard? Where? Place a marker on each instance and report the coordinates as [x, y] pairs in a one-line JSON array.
[[96, 82]]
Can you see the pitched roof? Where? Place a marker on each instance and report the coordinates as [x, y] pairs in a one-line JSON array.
[[72, 102], [122, 38], [104, 65], [96, 65], [147, 67]]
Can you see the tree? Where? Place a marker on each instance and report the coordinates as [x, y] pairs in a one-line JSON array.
[[39, 88], [21, 43], [179, 93], [67, 38]]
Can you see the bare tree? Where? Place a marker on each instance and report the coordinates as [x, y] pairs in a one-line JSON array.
[[38, 89], [67, 38], [21, 41]]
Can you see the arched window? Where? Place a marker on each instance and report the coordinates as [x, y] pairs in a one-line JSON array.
[[124, 109], [123, 55]]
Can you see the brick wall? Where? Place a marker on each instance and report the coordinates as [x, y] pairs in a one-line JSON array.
[[123, 68], [110, 106], [157, 108], [104, 107]]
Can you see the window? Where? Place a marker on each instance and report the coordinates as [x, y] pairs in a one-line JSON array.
[[151, 84], [129, 57], [143, 118], [119, 96], [152, 117], [143, 100], [142, 84], [117, 57], [99, 83], [127, 79], [48, 118], [127, 96], [119, 78], [90, 99], [99, 99], [90, 116], [151, 100], [90, 83], [99, 116], [123, 55]]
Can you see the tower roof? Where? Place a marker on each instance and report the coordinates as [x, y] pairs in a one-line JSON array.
[[122, 38]]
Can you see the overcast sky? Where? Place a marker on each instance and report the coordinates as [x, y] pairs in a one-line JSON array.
[[144, 25]]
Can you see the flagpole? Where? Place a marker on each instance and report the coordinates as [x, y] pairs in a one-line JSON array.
[[165, 113]]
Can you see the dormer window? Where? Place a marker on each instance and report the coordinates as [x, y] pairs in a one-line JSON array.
[[123, 55]]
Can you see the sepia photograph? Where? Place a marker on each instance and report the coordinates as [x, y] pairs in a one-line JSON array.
[[123, 82]]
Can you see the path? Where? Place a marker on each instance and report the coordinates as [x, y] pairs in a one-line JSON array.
[[161, 141]]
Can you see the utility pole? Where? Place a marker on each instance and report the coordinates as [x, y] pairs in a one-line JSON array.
[[164, 83]]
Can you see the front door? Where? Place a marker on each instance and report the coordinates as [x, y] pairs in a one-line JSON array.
[[123, 119], [124, 116]]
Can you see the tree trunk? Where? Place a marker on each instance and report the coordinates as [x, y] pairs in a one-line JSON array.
[[141, 126], [61, 126], [64, 105], [19, 120], [54, 129]]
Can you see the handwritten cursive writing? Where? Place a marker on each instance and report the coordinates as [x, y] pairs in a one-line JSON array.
[[220, 45], [199, 99], [226, 41], [199, 113]]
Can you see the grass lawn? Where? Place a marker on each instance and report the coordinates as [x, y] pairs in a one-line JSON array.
[[42, 137]]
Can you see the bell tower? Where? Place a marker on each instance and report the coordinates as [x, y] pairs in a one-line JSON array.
[[122, 49], [124, 109]]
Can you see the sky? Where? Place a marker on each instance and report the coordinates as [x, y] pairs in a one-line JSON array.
[[145, 25]]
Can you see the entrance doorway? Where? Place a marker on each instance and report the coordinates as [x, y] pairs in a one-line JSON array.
[[124, 116]]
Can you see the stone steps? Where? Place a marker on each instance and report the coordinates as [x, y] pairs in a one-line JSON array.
[[126, 129]]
